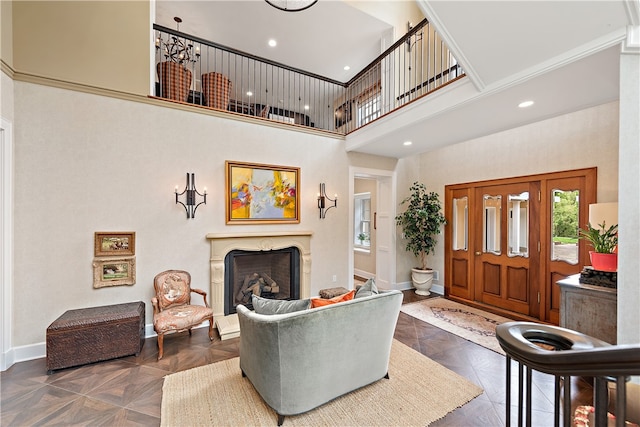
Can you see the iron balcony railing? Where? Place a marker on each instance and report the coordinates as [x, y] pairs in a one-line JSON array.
[[195, 71]]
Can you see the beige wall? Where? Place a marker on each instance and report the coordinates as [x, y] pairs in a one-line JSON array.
[[582, 139], [97, 43], [395, 13], [361, 160], [6, 32], [87, 163]]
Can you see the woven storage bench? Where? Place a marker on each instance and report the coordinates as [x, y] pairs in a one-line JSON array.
[[94, 334]]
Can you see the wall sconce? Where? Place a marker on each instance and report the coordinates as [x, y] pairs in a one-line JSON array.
[[322, 201], [190, 193]]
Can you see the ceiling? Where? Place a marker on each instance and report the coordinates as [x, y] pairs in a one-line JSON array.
[[563, 55], [320, 40]]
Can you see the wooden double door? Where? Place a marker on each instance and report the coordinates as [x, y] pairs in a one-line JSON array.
[[508, 241]]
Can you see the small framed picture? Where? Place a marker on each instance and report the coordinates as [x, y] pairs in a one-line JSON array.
[[115, 244], [114, 272]]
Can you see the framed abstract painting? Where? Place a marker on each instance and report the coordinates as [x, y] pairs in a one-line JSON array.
[[261, 194]]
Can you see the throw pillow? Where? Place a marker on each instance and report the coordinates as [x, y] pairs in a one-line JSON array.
[[276, 306], [369, 288], [321, 302]]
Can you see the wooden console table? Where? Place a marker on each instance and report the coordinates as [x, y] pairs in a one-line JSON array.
[[590, 309]]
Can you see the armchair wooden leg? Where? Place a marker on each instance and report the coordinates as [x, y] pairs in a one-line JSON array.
[[280, 419], [211, 329], [160, 346]]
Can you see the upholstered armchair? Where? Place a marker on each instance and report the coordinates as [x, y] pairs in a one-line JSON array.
[[172, 309]]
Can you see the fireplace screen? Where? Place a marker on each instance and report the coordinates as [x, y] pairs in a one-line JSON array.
[[268, 274]]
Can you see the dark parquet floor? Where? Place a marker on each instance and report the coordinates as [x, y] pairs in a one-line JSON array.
[[128, 391]]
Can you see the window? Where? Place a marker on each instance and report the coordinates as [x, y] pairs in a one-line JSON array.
[[369, 110], [362, 217], [369, 103]]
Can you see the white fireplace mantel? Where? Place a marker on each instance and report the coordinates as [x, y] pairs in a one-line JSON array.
[[223, 243]]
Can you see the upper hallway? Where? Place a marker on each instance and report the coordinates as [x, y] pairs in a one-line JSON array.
[[562, 55]]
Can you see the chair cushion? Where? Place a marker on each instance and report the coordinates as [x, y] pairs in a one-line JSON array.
[[274, 306], [173, 288], [180, 318]]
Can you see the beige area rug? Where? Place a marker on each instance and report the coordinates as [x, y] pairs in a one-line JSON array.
[[418, 392], [472, 324]]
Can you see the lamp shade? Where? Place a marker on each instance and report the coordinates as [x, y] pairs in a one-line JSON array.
[[603, 213]]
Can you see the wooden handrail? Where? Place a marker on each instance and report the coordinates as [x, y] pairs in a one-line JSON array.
[[564, 353]]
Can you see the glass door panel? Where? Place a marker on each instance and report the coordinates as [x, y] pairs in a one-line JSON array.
[[460, 224], [518, 224], [492, 206], [564, 225]]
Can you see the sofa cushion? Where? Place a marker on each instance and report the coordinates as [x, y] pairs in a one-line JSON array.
[[275, 306], [368, 289], [321, 302]]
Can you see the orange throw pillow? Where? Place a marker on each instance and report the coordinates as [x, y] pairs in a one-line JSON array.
[[321, 302]]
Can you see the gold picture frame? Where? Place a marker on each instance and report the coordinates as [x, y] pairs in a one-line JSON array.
[[261, 194], [121, 243], [114, 272]]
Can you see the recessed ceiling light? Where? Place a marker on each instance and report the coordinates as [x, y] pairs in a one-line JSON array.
[[347, 68], [306, 107], [407, 143], [249, 93], [525, 104], [272, 43]]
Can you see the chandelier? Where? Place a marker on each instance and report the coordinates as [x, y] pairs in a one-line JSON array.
[[291, 5], [176, 50]]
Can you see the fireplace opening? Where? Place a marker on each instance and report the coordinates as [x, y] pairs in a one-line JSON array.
[[271, 274]]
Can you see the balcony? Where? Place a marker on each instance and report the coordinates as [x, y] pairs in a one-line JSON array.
[[194, 71]]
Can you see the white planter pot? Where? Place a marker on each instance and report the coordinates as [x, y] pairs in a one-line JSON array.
[[422, 281]]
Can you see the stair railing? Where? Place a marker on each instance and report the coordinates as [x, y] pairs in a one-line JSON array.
[[565, 353]]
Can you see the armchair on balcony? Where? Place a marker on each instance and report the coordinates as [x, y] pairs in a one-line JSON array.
[[216, 88], [172, 308]]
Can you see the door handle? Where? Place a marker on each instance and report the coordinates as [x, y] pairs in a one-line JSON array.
[[478, 253]]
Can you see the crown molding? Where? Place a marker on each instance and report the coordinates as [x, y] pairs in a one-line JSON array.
[[7, 69], [159, 102], [441, 29], [631, 44]]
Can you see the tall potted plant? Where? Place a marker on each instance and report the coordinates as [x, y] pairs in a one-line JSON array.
[[421, 223], [604, 256]]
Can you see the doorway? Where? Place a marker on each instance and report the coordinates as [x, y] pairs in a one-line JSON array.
[[508, 241], [374, 256]]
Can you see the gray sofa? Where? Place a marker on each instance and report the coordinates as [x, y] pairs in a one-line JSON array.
[[299, 361]]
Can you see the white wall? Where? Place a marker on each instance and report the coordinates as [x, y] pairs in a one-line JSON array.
[[87, 163]]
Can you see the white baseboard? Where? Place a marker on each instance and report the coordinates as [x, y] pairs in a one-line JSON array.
[[39, 350], [364, 274], [28, 352], [435, 289]]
